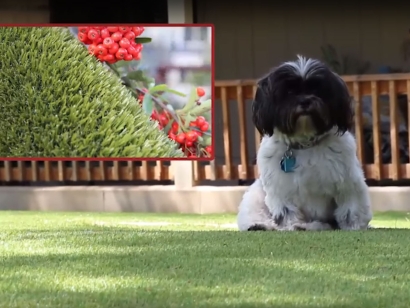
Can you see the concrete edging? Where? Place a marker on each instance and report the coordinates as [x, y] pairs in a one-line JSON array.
[[160, 199]]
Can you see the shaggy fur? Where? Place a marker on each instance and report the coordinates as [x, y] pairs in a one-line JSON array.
[[304, 109]]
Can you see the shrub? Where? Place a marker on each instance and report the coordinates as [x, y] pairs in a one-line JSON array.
[[120, 47], [57, 101]]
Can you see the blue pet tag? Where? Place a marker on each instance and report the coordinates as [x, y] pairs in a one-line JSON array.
[[288, 162]]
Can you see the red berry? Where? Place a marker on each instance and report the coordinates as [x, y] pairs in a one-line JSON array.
[[83, 29], [205, 127], [123, 29], [109, 58], [108, 42], [82, 37], [130, 35], [128, 57], [163, 119], [101, 50], [137, 56], [92, 49], [93, 34], [200, 91], [132, 50], [113, 50], [98, 40], [121, 53], [139, 30], [88, 41], [200, 120], [105, 33], [112, 29], [171, 135], [191, 136], [116, 36], [175, 127], [208, 149], [189, 143], [125, 43], [138, 47], [154, 115], [198, 133], [180, 138], [100, 57]]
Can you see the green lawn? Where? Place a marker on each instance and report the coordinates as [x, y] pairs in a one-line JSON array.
[[149, 260]]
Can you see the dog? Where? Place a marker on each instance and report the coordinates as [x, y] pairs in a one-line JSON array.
[[309, 175]]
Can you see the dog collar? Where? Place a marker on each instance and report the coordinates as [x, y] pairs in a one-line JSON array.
[[288, 161], [303, 145]]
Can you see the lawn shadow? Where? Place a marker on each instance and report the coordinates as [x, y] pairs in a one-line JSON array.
[[131, 297], [186, 266], [175, 284]]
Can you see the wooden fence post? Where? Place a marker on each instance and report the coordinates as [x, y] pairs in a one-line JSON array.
[[183, 174]]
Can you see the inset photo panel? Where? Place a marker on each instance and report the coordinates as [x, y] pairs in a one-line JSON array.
[[106, 91]]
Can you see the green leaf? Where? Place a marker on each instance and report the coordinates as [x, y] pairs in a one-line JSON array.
[[168, 126], [188, 119], [164, 88], [127, 82], [201, 109], [207, 140], [143, 40], [137, 75], [176, 92], [151, 84], [158, 88], [191, 101], [147, 104]]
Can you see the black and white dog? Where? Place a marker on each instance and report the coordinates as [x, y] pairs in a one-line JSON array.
[[310, 177]]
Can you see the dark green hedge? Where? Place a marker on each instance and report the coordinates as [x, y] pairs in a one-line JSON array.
[[58, 101]]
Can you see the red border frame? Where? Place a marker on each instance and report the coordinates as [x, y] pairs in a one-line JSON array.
[[129, 158]]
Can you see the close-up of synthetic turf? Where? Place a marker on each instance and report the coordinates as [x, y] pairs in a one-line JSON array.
[[174, 260]]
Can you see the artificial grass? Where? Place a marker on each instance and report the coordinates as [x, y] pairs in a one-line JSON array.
[[56, 100], [111, 260]]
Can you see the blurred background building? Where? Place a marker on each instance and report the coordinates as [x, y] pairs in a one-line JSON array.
[[180, 57]]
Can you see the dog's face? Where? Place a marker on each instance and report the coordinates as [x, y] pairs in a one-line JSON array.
[[302, 98]]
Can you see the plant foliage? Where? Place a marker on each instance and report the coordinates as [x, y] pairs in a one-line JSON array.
[[58, 101]]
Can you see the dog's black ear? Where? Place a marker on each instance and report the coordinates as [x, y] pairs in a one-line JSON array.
[[343, 112], [262, 111]]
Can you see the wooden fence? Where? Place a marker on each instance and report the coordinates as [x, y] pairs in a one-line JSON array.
[[388, 96], [371, 134]]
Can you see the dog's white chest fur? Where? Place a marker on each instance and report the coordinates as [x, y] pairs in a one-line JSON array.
[[318, 176]]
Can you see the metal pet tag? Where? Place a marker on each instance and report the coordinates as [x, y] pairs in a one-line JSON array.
[[288, 162]]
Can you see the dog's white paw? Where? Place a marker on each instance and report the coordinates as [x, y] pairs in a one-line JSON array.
[[312, 226]]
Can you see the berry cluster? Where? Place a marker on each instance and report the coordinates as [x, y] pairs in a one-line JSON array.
[[188, 138], [112, 44]]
